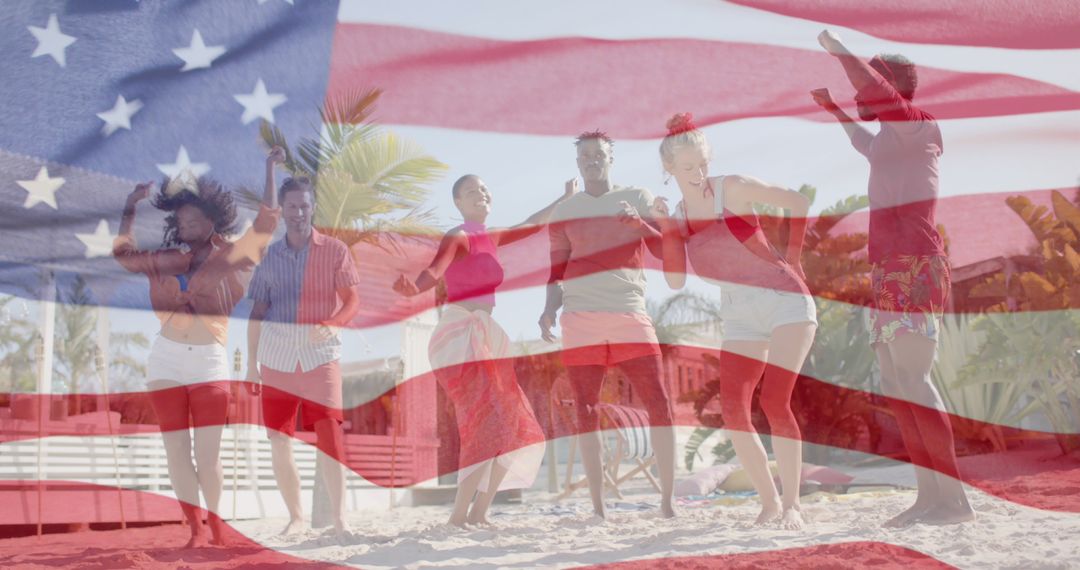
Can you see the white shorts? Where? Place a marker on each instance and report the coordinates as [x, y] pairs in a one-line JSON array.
[[187, 363], [751, 313]]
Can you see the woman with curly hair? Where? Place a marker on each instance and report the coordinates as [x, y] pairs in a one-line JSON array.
[[769, 316], [195, 282]]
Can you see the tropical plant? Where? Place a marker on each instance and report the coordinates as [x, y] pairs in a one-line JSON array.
[[1036, 348], [370, 183], [683, 317], [17, 345], [979, 409], [76, 346]]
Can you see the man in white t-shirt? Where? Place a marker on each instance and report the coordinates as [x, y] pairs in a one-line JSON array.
[[598, 240]]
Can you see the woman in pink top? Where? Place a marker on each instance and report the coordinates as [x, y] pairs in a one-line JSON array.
[[910, 272], [501, 441], [769, 316]]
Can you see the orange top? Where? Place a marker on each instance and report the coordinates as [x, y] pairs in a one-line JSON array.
[[215, 288]]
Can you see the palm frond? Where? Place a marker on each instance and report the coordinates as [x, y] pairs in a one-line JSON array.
[[272, 136]]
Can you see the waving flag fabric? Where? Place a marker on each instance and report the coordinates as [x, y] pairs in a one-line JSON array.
[[98, 96]]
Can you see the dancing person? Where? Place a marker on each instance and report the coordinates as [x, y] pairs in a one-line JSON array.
[[769, 316], [304, 291], [470, 353], [195, 283], [910, 274], [598, 240]]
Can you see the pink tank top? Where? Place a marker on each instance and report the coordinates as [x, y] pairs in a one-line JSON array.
[[476, 276]]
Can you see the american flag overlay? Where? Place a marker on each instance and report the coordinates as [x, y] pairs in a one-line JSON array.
[[700, 283]]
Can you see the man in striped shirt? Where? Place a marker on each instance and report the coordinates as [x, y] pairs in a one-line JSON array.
[[304, 290]]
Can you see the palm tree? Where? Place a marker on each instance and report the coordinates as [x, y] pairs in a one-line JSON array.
[[17, 341], [370, 183]]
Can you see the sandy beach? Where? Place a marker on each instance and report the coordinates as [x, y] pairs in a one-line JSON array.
[[844, 531]]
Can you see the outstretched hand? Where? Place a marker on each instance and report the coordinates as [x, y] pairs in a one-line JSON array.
[[629, 215], [276, 156], [140, 193], [405, 286], [824, 99], [571, 188], [831, 41]]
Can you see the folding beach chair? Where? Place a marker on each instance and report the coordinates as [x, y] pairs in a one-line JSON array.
[[631, 441]]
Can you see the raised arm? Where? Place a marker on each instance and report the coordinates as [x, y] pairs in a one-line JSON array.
[[873, 90], [453, 245], [858, 135], [250, 247], [274, 158], [535, 222], [127, 253], [746, 189]]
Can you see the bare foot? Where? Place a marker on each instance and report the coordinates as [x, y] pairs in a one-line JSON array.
[[791, 519], [908, 517], [198, 540], [295, 526], [945, 515], [668, 510], [769, 513], [219, 530], [457, 521], [478, 520]]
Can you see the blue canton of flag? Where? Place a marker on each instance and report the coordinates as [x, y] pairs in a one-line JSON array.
[[99, 95]]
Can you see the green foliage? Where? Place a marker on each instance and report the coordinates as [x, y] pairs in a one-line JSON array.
[[370, 183]]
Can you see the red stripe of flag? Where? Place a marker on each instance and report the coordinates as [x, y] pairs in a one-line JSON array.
[[629, 88]]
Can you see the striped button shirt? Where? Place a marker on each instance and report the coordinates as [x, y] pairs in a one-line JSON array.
[[301, 289]]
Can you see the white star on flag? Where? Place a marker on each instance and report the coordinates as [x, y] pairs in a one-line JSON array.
[[51, 41], [259, 104], [41, 189], [183, 162], [119, 117], [99, 243], [198, 55]]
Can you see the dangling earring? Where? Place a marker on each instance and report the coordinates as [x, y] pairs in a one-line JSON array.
[[667, 179]]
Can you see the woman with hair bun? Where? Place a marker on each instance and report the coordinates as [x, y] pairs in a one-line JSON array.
[[196, 280], [769, 316]]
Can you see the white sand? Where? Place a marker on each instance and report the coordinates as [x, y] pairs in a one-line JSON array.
[[541, 533]]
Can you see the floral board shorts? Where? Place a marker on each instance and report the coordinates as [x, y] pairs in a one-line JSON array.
[[910, 292]]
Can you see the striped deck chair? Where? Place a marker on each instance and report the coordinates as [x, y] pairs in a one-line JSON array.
[[631, 441]]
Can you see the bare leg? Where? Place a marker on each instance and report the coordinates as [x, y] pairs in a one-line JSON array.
[[586, 382], [209, 410], [787, 350], [646, 376], [465, 492], [170, 402], [925, 481], [913, 357], [331, 444], [288, 480], [478, 513], [742, 364]]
